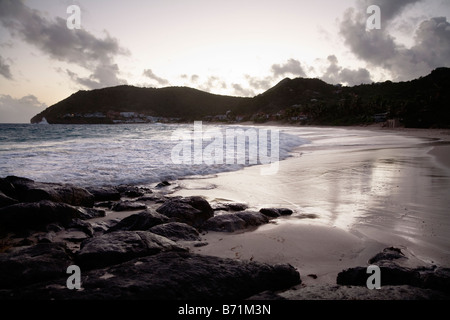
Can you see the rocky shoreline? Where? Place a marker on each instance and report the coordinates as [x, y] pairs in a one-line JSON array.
[[134, 243]]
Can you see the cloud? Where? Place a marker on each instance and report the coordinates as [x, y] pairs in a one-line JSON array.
[[19, 110], [335, 74], [57, 41], [149, 73], [430, 49], [240, 91], [292, 66], [389, 8], [4, 69]]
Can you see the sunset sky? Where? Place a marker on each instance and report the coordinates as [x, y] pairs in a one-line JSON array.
[[226, 47]]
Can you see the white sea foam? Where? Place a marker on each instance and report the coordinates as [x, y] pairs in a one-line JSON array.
[[106, 154]]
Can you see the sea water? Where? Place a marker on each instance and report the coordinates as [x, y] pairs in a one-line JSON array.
[[97, 155]]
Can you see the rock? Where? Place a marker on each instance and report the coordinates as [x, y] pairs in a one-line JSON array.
[[6, 201], [83, 226], [436, 279], [225, 223], [252, 218], [163, 184], [120, 246], [266, 296], [140, 221], [387, 254], [132, 191], [104, 193], [31, 191], [390, 275], [176, 231], [36, 215], [173, 276], [46, 238], [276, 212], [230, 207], [191, 210], [128, 206], [24, 266], [90, 213], [8, 188], [235, 221]]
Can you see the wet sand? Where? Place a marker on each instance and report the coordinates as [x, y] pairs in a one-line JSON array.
[[354, 191]]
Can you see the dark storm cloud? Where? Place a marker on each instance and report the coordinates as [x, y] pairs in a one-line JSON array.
[[149, 74], [431, 48], [59, 42], [335, 74], [4, 69], [292, 67]]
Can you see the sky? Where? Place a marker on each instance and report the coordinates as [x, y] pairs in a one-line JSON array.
[[239, 48]]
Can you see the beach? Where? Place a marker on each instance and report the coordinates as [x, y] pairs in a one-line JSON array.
[[351, 193], [350, 202]]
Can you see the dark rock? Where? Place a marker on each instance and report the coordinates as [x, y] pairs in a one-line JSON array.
[[235, 221], [163, 184], [83, 226], [46, 238], [176, 231], [104, 193], [276, 212], [36, 215], [8, 188], [6, 201], [174, 276], [128, 206], [266, 296], [105, 204], [225, 223], [270, 212], [230, 207], [132, 191], [31, 191], [252, 218], [120, 246], [90, 213], [24, 266], [390, 275], [140, 221], [191, 210], [388, 254]]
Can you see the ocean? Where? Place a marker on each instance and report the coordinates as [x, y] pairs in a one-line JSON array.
[[136, 154]]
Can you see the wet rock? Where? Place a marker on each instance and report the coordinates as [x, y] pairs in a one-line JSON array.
[[174, 276], [116, 247], [235, 221], [31, 191], [36, 215], [163, 184], [132, 191], [104, 193], [140, 221], [6, 201], [388, 254], [191, 210], [176, 231], [8, 188], [390, 275], [230, 207], [41, 262], [276, 212], [128, 206]]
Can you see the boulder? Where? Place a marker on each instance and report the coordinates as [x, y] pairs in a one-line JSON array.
[[116, 247], [104, 193], [176, 231], [231, 222], [230, 206], [31, 191], [128, 205], [276, 212], [8, 188], [6, 201], [172, 276], [191, 210], [27, 265], [140, 221], [388, 254], [36, 215]]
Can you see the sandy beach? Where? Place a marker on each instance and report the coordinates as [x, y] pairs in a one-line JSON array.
[[354, 191]]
